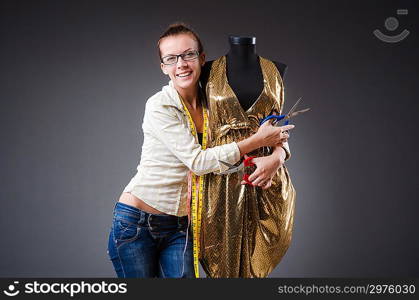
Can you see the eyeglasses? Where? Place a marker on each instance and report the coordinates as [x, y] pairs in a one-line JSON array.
[[186, 56]]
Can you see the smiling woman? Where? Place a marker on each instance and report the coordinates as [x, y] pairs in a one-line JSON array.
[[150, 234]]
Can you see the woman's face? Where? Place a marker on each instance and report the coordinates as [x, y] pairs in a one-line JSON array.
[[184, 74]]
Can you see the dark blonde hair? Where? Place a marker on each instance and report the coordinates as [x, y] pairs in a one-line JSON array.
[[180, 28]]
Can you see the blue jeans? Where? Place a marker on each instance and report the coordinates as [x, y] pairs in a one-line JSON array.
[[146, 245]]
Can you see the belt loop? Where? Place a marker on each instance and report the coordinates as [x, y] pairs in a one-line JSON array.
[[114, 208], [179, 222], [148, 216], [141, 218]]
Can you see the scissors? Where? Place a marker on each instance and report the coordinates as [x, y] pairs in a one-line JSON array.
[[287, 117], [240, 168]]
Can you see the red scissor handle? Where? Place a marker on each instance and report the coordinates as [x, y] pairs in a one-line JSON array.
[[247, 163], [246, 178]]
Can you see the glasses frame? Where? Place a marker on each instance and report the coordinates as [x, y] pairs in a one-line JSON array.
[[182, 55]]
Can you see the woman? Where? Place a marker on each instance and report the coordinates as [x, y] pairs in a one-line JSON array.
[[150, 231]]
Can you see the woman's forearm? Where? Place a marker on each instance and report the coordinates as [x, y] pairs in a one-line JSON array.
[[279, 153], [249, 144], [267, 135]]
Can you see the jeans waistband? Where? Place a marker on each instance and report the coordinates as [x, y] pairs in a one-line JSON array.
[[134, 215]]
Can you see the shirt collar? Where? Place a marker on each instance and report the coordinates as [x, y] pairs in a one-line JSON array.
[[173, 96]]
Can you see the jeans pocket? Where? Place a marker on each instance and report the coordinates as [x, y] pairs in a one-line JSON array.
[[125, 232]]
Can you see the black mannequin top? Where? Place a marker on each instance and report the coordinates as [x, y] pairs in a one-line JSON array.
[[243, 70]]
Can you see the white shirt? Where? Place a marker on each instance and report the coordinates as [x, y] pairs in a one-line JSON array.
[[169, 151]]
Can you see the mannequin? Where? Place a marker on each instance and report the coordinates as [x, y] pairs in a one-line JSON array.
[[243, 70], [245, 230]]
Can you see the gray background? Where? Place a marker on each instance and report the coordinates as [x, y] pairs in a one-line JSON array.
[[74, 78]]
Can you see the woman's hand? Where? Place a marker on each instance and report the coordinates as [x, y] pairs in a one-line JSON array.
[[266, 136], [271, 136], [266, 168]]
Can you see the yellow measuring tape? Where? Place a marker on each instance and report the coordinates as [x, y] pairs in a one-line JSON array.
[[197, 193]]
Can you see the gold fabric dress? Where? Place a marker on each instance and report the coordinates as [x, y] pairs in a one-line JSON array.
[[245, 231]]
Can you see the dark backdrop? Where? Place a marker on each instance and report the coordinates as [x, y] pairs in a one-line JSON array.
[[74, 78]]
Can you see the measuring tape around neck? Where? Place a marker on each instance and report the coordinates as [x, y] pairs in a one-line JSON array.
[[195, 189]]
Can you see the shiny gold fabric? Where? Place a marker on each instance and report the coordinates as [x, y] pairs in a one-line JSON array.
[[245, 230]]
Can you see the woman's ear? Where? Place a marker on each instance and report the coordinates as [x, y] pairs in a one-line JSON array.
[[202, 58], [163, 68]]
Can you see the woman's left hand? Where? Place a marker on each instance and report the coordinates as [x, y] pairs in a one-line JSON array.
[[266, 168]]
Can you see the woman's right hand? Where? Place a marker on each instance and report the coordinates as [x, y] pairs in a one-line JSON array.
[[271, 136]]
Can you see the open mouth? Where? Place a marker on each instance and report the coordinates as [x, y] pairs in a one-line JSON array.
[[183, 75]]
